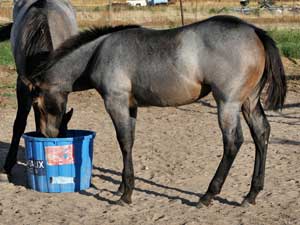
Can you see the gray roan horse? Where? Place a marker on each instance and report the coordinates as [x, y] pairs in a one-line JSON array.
[[38, 27], [133, 66]]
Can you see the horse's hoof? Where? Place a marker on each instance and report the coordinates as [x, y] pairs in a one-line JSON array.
[[246, 203], [203, 203], [119, 193], [4, 177], [121, 202], [200, 205], [120, 190]]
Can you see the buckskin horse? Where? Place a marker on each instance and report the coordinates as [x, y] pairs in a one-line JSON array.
[[39, 27], [133, 66]]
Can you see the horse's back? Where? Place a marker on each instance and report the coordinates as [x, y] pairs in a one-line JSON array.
[[175, 67]]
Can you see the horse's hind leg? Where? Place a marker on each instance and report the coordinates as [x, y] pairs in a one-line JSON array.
[[133, 114], [24, 105], [229, 121], [123, 118], [260, 131]]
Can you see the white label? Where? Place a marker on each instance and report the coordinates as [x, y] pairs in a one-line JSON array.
[[62, 180]]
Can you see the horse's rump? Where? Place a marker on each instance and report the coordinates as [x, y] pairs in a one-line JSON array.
[[33, 34]]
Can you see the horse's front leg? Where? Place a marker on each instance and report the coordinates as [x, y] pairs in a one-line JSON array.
[[123, 117], [24, 106]]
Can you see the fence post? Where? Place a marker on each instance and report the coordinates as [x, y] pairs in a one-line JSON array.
[[109, 12], [181, 10], [196, 13]]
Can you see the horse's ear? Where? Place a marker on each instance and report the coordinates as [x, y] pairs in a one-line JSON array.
[[64, 123], [68, 116]]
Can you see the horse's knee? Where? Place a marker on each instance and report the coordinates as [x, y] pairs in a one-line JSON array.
[[239, 139], [232, 146]]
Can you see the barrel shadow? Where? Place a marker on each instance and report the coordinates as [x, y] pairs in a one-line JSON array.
[[18, 176]]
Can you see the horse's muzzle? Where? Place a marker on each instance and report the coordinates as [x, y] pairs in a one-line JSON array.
[[51, 132]]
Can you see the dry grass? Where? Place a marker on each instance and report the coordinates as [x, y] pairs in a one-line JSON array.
[[95, 12], [169, 16]]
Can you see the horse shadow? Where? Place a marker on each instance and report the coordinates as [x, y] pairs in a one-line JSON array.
[[18, 176], [284, 141], [106, 174], [291, 118]]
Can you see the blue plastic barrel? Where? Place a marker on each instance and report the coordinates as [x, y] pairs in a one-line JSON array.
[[59, 164]]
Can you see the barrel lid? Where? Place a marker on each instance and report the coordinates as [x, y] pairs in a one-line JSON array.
[[72, 135]]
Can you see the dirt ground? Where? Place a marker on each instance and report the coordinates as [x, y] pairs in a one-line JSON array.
[[176, 153]]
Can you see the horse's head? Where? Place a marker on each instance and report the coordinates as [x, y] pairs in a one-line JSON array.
[[51, 104]]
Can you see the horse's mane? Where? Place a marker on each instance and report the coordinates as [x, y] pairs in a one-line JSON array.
[[38, 42], [77, 41]]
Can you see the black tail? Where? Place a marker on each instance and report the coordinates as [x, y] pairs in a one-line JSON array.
[[274, 76], [5, 31]]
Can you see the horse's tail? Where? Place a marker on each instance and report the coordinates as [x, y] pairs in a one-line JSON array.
[[5, 32], [274, 75]]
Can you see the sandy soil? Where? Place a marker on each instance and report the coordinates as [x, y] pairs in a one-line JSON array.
[[175, 154]]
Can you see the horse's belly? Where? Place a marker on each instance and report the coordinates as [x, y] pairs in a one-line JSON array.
[[169, 95]]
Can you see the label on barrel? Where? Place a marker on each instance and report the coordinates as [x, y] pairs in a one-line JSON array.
[[36, 167], [60, 155], [62, 180]]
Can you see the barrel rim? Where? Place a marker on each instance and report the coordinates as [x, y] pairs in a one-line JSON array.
[[89, 134]]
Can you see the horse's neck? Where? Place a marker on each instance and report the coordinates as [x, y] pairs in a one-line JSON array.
[[74, 69]]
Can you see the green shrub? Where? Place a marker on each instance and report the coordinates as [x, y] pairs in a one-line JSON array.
[[289, 49], [285, 35], [288, 41], [6, 57], [96, 9], [212, 11]]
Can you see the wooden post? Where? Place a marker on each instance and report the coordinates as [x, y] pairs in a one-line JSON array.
[[294, 9], [109, 12], [196, 13], [181, 10]]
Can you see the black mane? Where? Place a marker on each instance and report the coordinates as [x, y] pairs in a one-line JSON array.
[[77, 41]]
